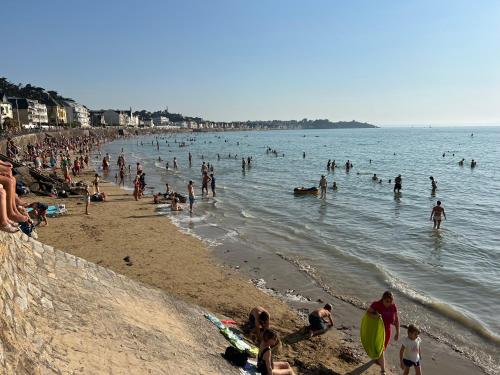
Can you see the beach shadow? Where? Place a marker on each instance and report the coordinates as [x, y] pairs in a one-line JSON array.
[[319, 369], [296, 337], [141, 217], [361, 369]]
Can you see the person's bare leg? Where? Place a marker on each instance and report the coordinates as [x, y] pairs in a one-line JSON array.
[[282, 368], [418, 370], [9, 186], [5, 225], [7, 180], [3, 209], [381, 362]]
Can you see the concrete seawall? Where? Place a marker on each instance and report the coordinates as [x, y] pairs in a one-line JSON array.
[[60, 314]]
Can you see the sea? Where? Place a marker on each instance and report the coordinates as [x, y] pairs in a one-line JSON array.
[[362, 238]]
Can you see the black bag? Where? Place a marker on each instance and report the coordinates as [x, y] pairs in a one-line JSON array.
[[236, 357]]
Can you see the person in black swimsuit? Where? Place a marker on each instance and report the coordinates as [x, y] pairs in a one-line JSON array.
[[398, 181], [265, 363]]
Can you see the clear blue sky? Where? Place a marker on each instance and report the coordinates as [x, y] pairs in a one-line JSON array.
[[385, 62]]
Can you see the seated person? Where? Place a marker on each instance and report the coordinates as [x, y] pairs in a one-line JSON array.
[[320, 320], [156, 198], [258, 321], [168, 192], [265, 363], [175, 206], [39, 212], [98, 197]]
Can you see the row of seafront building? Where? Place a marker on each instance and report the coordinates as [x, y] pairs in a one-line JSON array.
[[29, 113]]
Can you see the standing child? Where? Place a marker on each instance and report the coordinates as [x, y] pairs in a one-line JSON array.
[[96, 183], [410, 353], [87, 199]]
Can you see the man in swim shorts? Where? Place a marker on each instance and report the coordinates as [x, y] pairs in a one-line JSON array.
[[436, 214], [320, 320]]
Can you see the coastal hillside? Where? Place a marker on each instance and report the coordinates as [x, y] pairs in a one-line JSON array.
[[62, 315]]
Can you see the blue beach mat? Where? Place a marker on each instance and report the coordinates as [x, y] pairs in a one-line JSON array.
[[232, 337]]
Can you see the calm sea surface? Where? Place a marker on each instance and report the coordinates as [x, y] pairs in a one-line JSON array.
[[362, 238]]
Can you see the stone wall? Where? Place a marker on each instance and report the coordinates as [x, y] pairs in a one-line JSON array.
[[60, 314]]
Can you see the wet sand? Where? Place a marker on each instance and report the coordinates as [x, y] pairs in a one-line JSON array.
[[163, 257]]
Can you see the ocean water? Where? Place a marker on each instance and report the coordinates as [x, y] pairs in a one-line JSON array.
[[361, 239]]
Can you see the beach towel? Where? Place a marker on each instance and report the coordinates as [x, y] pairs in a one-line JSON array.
[[52, 211], [232, 337], [250, 368]]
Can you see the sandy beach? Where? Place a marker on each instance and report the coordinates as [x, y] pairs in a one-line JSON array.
[[161, 256]]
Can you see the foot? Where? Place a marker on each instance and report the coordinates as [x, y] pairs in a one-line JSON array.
[[8, 228], [13, 223], [18, 218]]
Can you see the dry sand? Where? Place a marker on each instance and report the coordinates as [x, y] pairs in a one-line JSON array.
[[163, 257]]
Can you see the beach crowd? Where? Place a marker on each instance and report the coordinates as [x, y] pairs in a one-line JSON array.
[[63, 159]]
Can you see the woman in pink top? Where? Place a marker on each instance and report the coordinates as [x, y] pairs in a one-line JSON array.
[[386, 308]]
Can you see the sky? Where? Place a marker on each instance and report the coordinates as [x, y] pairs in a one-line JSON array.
[[389, 63]]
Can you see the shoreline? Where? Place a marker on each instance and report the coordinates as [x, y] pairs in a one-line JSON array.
[[214, 282]]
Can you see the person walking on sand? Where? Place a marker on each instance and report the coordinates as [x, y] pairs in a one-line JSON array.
[[398, 184], [265, 363], [320, 320], [323, 183], [387, 309], [410, 353], [137, 188], [122, 176], [191, 195], [87, 199], [96, 183], [436, 213]]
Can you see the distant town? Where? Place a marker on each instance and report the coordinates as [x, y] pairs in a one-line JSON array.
[[31, 107]]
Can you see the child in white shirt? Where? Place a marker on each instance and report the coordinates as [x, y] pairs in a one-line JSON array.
[[410, 354]]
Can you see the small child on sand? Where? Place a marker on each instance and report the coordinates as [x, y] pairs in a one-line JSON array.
[[87, 199], [410, 353]]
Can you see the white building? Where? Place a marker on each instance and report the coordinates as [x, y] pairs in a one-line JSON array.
[[133, 120], [117, 117], [77, 114], [29, 112], [146, 123], [160, 120], [5, 110]]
